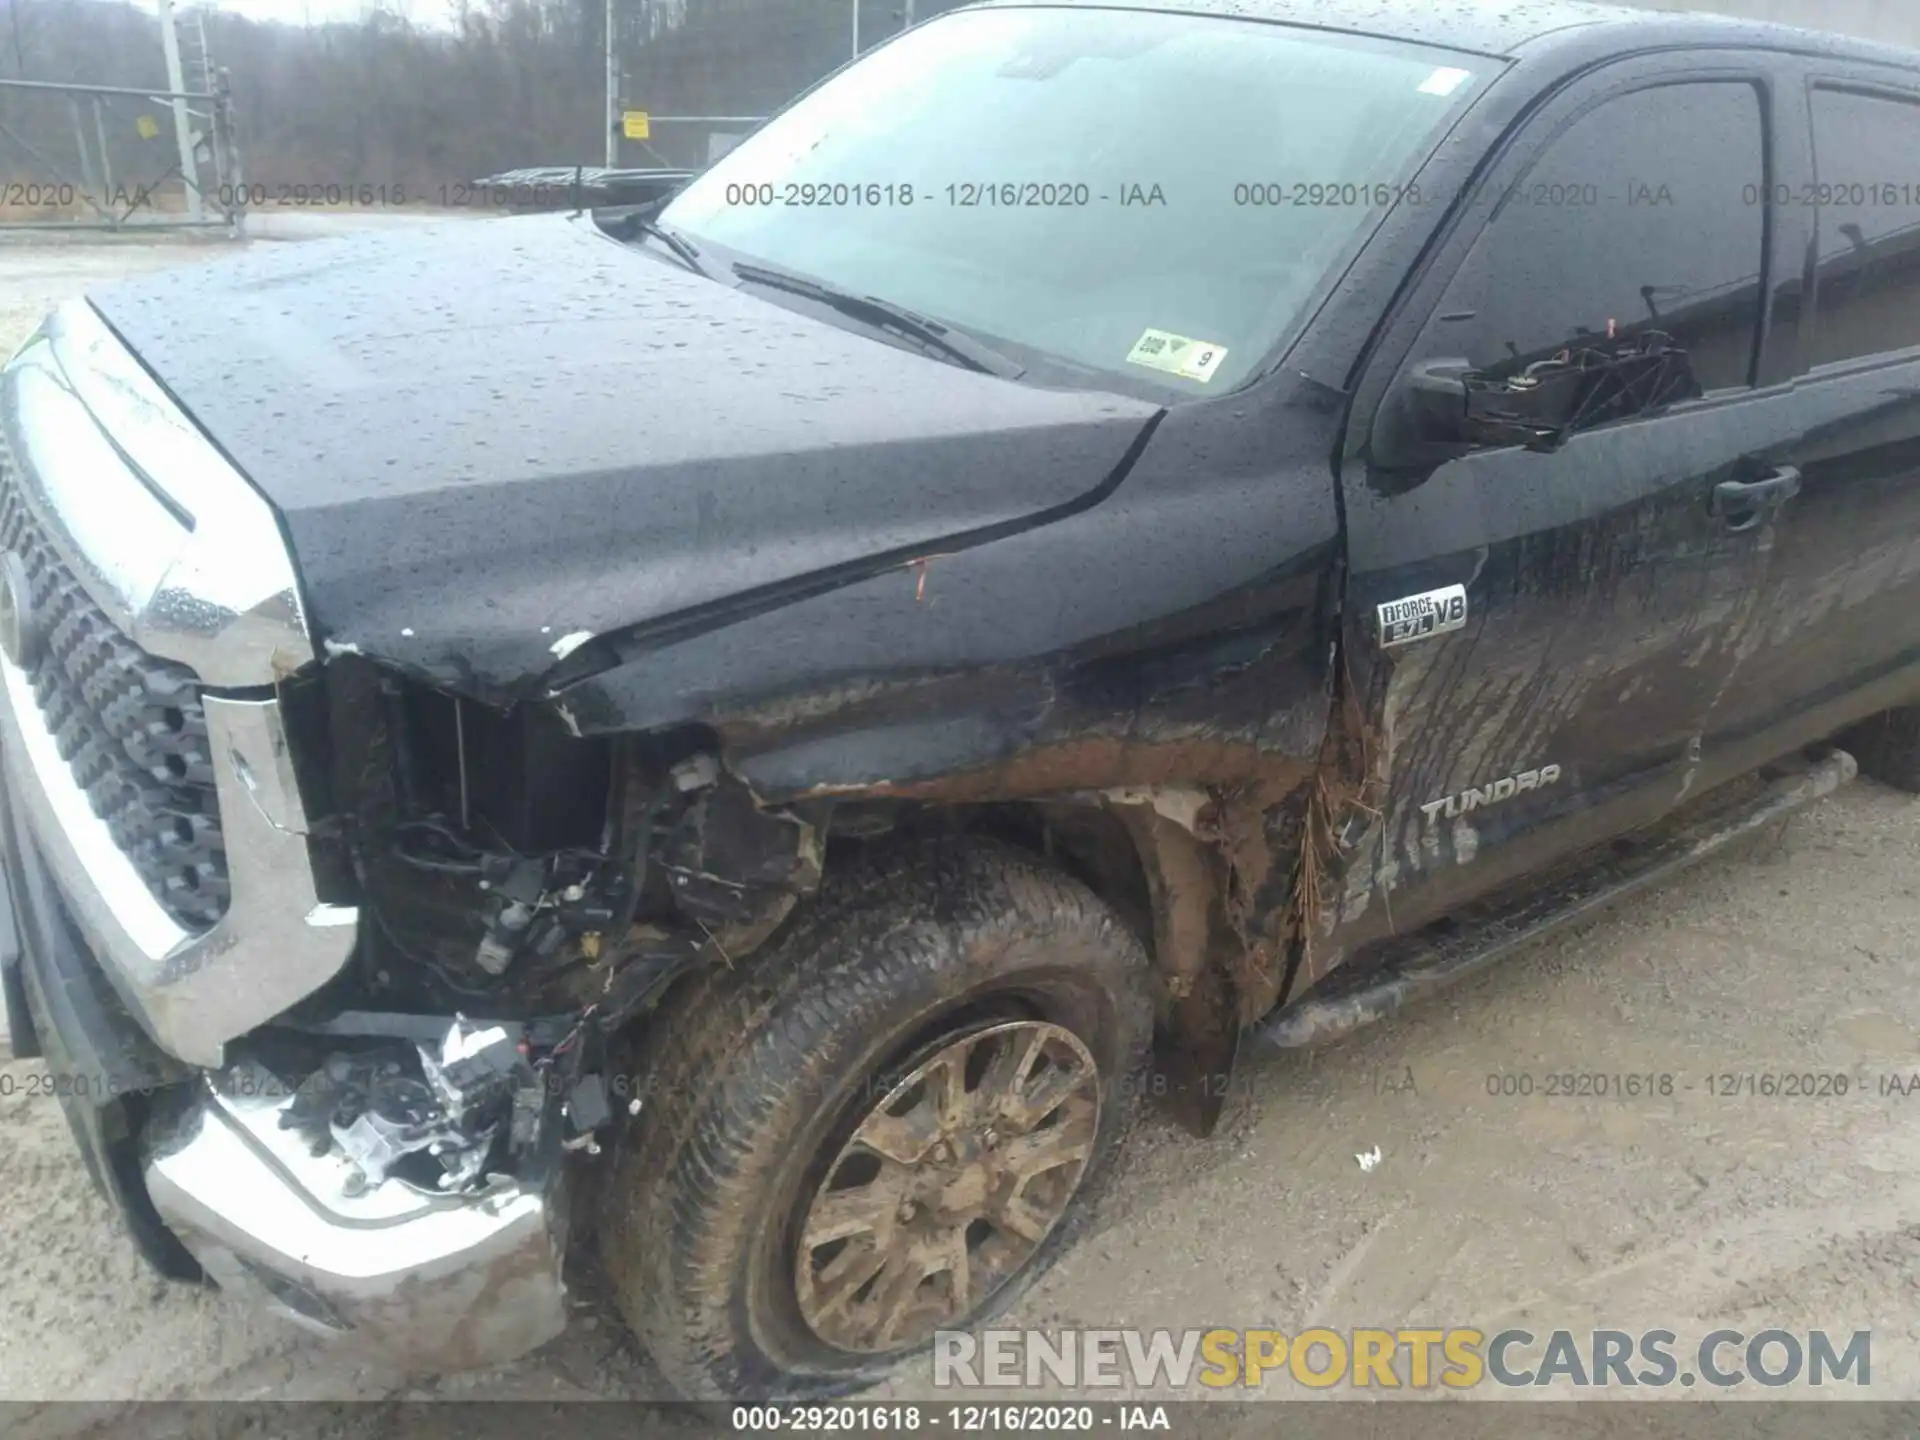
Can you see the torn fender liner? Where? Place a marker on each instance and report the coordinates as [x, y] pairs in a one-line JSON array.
[[1195, 953], [606, 438], [1236, 715], [735, 869]]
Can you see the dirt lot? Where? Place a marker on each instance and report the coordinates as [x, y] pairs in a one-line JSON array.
[[1692, 1212]]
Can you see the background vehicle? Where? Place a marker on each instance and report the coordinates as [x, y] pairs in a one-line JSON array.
[[797, 691]]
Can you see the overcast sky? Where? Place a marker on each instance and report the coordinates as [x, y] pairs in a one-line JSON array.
[[301, 12]]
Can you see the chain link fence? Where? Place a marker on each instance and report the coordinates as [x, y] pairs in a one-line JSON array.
[[76, 156]]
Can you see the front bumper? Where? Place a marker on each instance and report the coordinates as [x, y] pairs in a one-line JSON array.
[[445, 1283]]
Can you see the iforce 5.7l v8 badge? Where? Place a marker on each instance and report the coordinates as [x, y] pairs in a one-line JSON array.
[[1433, 612]]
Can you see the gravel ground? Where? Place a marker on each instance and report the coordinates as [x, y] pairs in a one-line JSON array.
[[1691, 1212]]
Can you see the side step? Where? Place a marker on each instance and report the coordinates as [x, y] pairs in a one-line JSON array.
[[1454, 949]]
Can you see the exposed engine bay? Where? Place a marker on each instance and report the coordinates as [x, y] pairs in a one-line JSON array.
[[523, 894]]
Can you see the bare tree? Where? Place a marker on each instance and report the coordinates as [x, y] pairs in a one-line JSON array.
[[390, 100]]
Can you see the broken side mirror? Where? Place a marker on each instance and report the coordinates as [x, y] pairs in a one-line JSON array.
[[1443, 408], [1580, 387], [1450, 403]]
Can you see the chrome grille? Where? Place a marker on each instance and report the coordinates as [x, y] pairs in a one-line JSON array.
[[130, 725]]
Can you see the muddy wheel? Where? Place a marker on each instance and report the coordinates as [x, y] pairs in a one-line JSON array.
[[885, 1123], [1887, 746]]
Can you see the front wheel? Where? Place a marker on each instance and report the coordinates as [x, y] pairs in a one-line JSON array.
[[884, 1124]]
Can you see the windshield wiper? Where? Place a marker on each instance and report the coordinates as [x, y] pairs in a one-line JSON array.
[[688, 252], [885, 315]]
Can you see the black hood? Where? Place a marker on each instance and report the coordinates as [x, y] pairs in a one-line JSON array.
[[488, 439]]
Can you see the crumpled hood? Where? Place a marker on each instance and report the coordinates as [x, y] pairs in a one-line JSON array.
[[489, 439]]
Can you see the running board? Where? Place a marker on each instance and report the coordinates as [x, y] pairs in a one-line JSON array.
[[1451, 951]]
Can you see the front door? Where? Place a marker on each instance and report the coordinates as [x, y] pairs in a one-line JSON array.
[[1584, 598]]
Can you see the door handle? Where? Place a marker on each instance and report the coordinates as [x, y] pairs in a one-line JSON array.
[[1743, 504]]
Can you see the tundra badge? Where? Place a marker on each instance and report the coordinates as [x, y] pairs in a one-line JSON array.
[[1505, 788], [1432, 612]]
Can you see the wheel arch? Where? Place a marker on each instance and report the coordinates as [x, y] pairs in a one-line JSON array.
[[1182, 868]]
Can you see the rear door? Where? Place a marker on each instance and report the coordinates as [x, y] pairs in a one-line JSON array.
[[1593, 590], [1839, 634]]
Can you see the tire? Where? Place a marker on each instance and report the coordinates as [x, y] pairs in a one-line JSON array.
[[759, 1075], [1887, 746]]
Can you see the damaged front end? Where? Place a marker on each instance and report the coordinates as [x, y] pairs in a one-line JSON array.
[[512, 873], [390, 1156], [362, 932]]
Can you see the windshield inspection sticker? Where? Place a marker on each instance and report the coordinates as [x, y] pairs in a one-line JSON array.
[[1177, 355], [1443, 81]]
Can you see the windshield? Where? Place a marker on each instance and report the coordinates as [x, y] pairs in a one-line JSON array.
[[1135, 194]]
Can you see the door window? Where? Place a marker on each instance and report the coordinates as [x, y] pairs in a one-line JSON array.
[[1646, 213], [1867, 188]]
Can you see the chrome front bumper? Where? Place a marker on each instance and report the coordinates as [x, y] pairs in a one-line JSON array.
[[187, 560], [431, 1282], [436, 1283]]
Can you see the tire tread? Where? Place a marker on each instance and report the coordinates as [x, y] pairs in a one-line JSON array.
[[711, 1128]]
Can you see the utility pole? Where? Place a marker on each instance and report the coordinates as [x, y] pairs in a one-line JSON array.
[[182, 129], [613, 96], [906, 14], [856, 29]]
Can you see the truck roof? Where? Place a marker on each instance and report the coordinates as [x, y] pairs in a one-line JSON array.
[[1509, 28]]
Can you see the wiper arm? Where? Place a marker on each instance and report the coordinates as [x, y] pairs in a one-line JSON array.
[[641, 222], [688, 252], [885, 315]]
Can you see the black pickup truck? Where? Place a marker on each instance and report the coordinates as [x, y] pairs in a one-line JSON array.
[[769, 720]]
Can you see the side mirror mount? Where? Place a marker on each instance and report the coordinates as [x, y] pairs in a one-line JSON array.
[[1423, 421], [1436, 398]]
